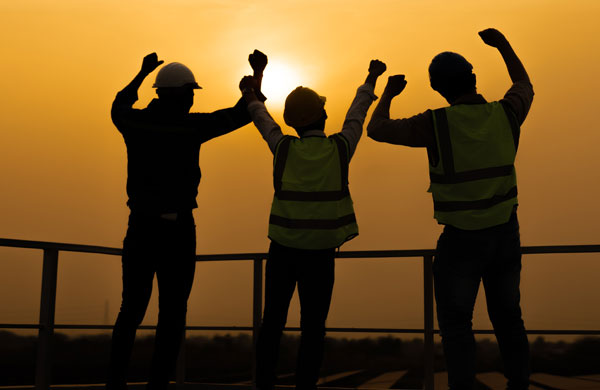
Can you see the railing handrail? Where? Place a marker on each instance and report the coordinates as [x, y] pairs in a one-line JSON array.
[[362, 254], [242, 328], [47, 325], [28, 244]]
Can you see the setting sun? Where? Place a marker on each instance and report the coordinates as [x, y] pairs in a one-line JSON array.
[[279, 81]]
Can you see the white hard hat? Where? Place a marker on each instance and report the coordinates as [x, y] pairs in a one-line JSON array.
[[175, 75]]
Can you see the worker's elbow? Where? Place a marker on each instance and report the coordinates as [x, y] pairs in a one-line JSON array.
[[373, 129]]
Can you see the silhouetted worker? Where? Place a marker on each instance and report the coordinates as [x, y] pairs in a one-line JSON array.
[[163, 145], [471, 147], [311, 215]]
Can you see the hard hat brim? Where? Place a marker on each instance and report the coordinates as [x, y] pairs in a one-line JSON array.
[[189, 85]]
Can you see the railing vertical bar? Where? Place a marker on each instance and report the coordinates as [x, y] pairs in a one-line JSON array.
[[428, 323], [256, 311], [43, 368], [180, 372]]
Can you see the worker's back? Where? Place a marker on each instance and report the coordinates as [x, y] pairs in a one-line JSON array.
[[312, 207], [474, 184]]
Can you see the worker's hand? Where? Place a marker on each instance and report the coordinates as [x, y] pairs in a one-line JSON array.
[[258, 61], [493, 37], [250, 88], [395, 85], [248, 83], [150, 63], [377, 68]]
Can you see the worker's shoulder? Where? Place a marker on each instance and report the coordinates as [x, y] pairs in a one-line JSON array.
[[521, 90]]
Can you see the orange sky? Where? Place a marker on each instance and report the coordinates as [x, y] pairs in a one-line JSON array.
[[63, 162]]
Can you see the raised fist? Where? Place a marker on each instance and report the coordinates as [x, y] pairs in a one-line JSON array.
[[377, 67], [492, 37], [150, 63], [395, 84], [258, 61], [248, 82]]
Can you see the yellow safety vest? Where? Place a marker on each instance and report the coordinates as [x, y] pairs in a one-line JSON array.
[[312, 207], [474, 184]]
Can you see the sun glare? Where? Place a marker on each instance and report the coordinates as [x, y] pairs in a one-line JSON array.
[[278, 81]]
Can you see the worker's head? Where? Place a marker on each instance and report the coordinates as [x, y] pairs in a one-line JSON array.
[[305, 110], [175, 84], [452, 76]]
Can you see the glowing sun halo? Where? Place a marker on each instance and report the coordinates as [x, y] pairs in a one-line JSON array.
[[278, 81]]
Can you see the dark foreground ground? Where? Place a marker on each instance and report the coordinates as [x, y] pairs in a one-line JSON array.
[[225, 362]]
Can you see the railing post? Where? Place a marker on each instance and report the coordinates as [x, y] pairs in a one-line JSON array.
[[43, 367], [256, 311], [428, 325], [180, 371]]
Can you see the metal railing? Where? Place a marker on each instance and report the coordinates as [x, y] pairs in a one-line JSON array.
[[47, 325]]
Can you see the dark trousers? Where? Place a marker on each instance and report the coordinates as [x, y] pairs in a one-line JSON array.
[[313, 271], [463, 259], [166, 248]]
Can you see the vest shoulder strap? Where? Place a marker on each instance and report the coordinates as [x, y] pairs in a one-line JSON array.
[[342, 146], [514, 123], [443, 135], [281, 153]]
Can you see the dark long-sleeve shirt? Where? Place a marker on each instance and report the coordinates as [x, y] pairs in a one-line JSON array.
[[163, 150]]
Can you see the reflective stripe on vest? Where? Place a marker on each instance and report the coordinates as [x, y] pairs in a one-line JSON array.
[[312, 207], [474, 185]]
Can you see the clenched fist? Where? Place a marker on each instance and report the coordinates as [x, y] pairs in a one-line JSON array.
[[258, 61], [395, 85], [493, 37], [150, 63], [377, 67]]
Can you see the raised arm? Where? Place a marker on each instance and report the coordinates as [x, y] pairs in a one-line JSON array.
[[495, 38], [268, 128], [355, 117], [258, 61], [414, 131], [376, 128], [520, 95], [128, 95], [227, 120], [393, 88]]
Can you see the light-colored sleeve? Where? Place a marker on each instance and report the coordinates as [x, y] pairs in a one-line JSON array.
[[268, 128], [355, 118]]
